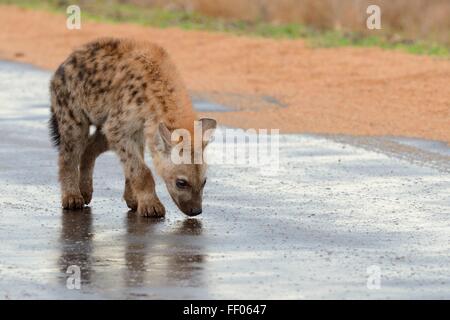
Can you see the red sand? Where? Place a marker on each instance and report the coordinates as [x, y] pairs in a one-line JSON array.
[[356, 91]]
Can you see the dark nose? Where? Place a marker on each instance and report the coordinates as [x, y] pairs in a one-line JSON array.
[[195, 212]]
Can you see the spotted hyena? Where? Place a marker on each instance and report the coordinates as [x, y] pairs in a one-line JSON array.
[[132, 93]]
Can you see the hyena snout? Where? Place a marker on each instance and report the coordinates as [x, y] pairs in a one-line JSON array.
[[195, 212], [190, 204], [191, 209]]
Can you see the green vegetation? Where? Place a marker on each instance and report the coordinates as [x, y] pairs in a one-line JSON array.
[[119, 12]]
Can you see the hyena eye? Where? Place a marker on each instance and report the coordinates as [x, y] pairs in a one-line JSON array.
[[182, 184], [204, 182]]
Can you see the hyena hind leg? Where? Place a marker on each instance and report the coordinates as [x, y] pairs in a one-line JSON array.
[[73, 136], [96, 145]]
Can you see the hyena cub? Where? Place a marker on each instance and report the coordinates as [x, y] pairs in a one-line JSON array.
[[131, 92]]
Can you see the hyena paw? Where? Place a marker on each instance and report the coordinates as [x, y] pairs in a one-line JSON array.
[[152, 208], [131, 203], [86, 191], [130, 199], [72, 201]]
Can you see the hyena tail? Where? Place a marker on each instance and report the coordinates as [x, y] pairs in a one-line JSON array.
[[53, 127]]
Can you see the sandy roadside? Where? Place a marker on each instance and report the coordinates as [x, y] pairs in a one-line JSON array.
[[346, 90]]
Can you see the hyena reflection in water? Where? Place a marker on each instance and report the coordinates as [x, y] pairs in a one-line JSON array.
[[133, 94]]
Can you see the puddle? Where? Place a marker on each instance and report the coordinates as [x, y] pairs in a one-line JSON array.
[[337, 206], [434, 154], [229, 101], [207, 106]]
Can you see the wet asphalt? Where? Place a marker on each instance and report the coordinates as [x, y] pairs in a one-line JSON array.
[[343, 217]]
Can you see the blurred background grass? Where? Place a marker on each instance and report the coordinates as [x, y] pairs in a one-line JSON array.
[[415, 26]]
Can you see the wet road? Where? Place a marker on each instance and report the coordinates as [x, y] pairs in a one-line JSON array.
[[339, 213]]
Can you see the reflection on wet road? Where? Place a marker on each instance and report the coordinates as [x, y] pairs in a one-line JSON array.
[[76, 243], [337, 207], [178, 264], [149, 259]]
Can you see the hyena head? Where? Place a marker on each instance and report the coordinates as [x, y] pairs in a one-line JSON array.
[[181, 164]]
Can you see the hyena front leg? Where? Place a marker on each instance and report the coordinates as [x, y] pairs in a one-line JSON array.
[[140, 185], [97, 144], [128, 194], [74, 134], [129, 197]]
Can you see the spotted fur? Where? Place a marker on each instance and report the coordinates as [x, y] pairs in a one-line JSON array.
[[132, 93]]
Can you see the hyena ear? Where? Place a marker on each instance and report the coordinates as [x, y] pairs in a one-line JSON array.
[[163, 138], [208, 128]]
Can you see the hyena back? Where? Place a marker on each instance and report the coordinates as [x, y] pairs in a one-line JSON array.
[[131, 92]]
